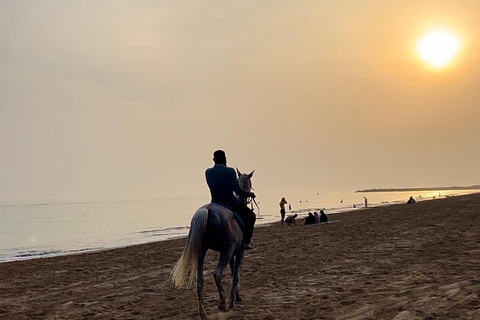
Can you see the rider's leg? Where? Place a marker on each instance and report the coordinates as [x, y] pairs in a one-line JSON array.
[[248, 217]]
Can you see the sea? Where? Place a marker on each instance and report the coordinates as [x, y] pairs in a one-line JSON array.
[[38, 229]]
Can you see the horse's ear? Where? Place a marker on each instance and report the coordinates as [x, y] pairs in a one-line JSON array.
[[250, 175], [238, 172]]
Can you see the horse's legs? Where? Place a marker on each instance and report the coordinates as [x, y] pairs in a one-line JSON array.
[[232, 264], [236, 269], [238, 298], [217, 275], [201, 259]]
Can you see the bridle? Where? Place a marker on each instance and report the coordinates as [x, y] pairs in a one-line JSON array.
[[251, 204], [249, 200]]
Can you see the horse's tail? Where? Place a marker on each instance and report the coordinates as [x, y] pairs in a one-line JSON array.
[[185, 271]]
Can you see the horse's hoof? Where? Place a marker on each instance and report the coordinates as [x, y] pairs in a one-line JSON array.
[[238, 299], [232, 306], [222, 307]]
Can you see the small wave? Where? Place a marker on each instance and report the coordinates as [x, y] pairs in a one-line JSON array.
[[163, 229], [169, 234], [32, 254]]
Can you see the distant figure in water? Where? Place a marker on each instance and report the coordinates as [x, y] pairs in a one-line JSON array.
[[310, 219], [289, 207], [366, 201], [291, 219], [341, 200], [317, 218], [354, 205], [323, 216], [282, 204], [411, 200]]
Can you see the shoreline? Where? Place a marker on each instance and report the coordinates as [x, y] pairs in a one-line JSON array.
[[56, 253], [337, 210], [452, 188]]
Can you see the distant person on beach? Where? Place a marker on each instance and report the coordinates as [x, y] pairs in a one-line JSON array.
[[291, 219], [223, 183], [310, 219], [323, 216], [289, 207], [282, 204], [354, 205], [411, 200], [317, 218], [366, 201]]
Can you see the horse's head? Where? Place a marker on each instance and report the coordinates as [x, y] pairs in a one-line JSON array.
[[245, 182]]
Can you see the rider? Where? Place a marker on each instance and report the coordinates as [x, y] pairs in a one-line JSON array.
[[223, 183]]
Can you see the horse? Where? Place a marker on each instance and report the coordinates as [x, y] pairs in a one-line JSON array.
[[214, 227]]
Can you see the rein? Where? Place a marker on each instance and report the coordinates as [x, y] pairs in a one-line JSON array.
[[254, 201], [249, 200]]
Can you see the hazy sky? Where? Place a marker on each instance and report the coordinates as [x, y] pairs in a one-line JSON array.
[[113, 98]]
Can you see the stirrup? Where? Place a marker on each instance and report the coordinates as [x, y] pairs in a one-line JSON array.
[[247, 246]]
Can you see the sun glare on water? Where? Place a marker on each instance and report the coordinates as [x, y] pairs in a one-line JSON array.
[[438, 48]]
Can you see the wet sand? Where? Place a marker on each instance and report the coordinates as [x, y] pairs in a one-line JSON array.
[[399, 262]]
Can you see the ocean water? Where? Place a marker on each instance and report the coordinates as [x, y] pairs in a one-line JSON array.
[[41, 229]]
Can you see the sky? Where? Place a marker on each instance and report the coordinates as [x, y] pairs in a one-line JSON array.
[[129, 99]]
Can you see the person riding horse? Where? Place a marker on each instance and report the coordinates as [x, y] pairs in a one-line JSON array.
[[223, 183], [215, 227]]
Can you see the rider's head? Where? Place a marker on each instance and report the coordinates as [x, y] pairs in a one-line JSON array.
[[219, 157]]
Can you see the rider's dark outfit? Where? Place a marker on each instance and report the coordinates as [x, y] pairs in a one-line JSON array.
[[223, 182]]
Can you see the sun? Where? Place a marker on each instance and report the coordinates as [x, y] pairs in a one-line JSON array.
[[438, 48]]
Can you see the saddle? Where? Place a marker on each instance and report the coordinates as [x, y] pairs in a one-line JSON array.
[[237, 218]]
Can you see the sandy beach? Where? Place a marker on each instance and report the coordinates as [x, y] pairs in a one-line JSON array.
[[399, 262]]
